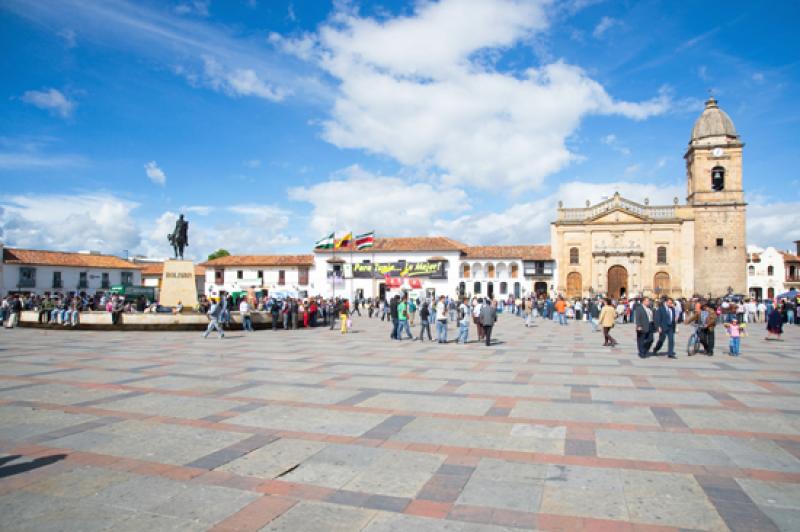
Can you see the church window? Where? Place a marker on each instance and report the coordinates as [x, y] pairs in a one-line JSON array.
[[661, 255], [770, 271], [465, 271], [717, 178], [574, 256], [720, 242], [751, 270]]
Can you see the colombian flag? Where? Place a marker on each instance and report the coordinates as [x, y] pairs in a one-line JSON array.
[[345, 241]]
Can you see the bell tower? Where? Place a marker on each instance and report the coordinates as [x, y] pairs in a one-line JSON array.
[[716, 196]]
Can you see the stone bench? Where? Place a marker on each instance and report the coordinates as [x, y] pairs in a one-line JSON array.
[[149, 321]]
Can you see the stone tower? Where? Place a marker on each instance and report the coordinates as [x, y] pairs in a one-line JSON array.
[[716, 196]]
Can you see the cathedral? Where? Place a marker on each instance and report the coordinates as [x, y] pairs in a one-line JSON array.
[[620, 247]]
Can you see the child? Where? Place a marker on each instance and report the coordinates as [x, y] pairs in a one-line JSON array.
[[734, 333]]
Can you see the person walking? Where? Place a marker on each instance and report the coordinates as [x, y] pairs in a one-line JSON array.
[[393, 316], [476, 317], [708, 322], [643, 318], [402, 319], [774, 325], [464, 315], [735, 332], [607, 319], [213, 315], [424, 322], [293, 312], [561, 310], [488, 318], [594, 314], [275, 312], [441, 321], [244, 312], [665, 322]]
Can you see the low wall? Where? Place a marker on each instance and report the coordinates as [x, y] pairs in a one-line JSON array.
[[149, 321]]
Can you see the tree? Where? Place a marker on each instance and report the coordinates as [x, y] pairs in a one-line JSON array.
[[219, 253]]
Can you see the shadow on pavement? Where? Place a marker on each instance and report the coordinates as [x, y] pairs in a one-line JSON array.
[[16, 469]]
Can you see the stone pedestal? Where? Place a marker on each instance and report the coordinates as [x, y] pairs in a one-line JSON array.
[[177, 284]]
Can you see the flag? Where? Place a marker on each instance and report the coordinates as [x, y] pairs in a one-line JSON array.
[[367, 240], [324, 243], [345, 241]]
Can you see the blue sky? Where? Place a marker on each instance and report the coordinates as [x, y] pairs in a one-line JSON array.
[[270, 123]]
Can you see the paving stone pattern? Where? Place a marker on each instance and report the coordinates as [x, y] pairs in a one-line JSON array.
[[311, 430]]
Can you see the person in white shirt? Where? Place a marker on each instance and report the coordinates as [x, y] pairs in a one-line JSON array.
[[441, 321], [476, 313], [464, 316], [244, 312]]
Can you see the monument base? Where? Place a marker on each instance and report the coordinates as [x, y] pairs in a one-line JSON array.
[[177, 284]]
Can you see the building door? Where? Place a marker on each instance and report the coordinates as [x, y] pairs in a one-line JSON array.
[[574, 284], [382, 291], [770, 293], [756, 293], [661, 284], [490, 290], [540, 288], [617, 281], [462, 289], [517, 290]]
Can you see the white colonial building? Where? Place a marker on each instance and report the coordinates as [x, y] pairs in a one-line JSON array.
[[281, 274], [30, 271], [428, 267], [771, 272]]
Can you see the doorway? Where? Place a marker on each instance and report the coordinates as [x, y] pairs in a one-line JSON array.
[[574, 284], [490, 290], [617, 281]]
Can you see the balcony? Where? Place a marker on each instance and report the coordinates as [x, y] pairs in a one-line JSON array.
[[26, 283]]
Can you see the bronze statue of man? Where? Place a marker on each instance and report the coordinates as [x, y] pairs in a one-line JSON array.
[[179, 237]]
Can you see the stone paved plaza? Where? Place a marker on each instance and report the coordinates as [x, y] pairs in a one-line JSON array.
[[312, 430]]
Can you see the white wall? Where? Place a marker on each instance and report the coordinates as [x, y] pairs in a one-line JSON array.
[[69, 278], [761, 279], [232, 283]]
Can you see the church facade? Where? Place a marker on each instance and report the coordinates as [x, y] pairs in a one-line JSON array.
[[620, 247]]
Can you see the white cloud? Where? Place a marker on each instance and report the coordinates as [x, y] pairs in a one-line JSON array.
[[359, 200], [612, 141], [605, 24], [702, 73], [758, 77], [773, 223], [69, 36], [195, 7], [411, 87], [253, 163], [238, 81], [155, 173], [100, 222], [529, 222], [38, 161], [51, 100]]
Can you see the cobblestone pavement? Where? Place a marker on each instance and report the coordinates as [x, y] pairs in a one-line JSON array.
[[312, 430]]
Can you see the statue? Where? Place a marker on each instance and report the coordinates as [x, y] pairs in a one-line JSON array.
[[179, 238]]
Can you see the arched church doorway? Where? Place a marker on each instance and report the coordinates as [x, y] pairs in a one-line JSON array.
[[617, 281], [661, 284], [574, 282]]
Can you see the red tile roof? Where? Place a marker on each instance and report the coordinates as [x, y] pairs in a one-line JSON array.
[[260, 260], [537, 252], [62, 258], [412, 243], [790, 256]]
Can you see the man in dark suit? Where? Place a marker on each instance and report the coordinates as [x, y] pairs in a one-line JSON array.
[[665, 322], [643, 318]]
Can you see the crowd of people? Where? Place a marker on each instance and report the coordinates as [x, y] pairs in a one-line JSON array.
[[655, 320]]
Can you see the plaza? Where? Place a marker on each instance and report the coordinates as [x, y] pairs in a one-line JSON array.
[[314, 430]]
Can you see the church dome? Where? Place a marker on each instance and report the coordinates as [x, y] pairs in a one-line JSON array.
[[714, 122]]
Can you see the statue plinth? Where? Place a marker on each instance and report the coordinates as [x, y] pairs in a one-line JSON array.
[[177, 284]]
